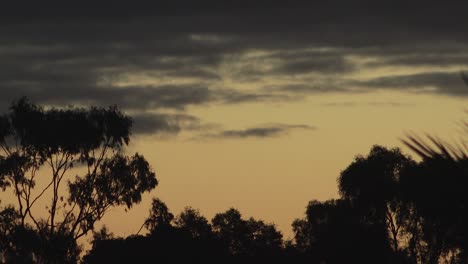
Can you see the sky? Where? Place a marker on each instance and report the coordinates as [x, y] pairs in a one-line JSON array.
[[257, 106]]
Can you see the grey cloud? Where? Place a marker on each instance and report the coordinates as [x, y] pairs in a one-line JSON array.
[[135, 97], [436, 56], [68, 72], [376, 104], [449, 83], [232, 96], [353, 24], [190, 73], [429, 60], [318, 63], [444, 83], [309, 88], [172, 124], [58, 55], [76, 80], [259, 16], [296, 62], [248, 25], [265, 131], [389, 104]]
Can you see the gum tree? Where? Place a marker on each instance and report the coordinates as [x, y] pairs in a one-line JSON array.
[[79, 154]]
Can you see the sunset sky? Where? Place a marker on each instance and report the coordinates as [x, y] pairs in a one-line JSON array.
[[256, 106]]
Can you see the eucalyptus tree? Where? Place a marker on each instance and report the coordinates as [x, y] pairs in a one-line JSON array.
[[436, 189], [193, 222], [333, 231], [77, 155], [372, 184], [159, 216], [246, 238]]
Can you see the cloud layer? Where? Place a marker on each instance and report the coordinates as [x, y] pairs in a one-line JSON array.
[[177, 55]]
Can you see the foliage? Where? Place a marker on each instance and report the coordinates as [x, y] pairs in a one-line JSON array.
[[435, 191], [189, 237], [160, 217], [246, 237], [336, 226], [372, 184], [53, 144], [194, 223]]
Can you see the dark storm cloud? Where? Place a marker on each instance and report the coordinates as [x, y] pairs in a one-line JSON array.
[[165, 96], [141, 97], [87, 78], [265, 131], [74, 54], [448, 83], [74, 80], [251, 24], [414, 13]]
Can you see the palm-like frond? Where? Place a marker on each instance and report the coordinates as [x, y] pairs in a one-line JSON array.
[[436, 148]]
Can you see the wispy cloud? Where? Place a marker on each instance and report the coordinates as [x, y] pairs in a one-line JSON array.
[[263, 131], [447, 83]]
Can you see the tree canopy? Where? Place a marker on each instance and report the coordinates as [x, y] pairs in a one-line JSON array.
[[80, 148]]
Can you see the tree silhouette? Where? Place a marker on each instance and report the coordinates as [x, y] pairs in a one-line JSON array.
[[333, 232], [231, 230], [48, 144], [191, 238], [265, 239], [194, 223], [159, 217], [246, 237], [435, 192], [16, 243], [372, 184]]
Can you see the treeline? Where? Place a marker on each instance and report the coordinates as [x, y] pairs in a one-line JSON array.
[[190, 238], [392, 209]]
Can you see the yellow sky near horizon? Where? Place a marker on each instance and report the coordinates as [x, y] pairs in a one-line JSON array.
[[274, 178]]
